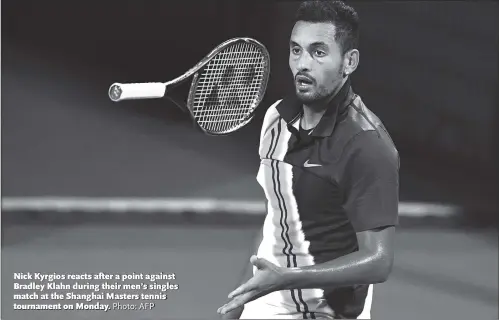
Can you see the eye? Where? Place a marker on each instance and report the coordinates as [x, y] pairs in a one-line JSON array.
[[295, 50], [320, 53]]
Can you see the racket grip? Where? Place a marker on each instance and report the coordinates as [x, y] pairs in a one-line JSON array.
[[130, 91]]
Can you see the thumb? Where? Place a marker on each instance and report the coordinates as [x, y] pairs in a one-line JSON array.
[[260, 263]]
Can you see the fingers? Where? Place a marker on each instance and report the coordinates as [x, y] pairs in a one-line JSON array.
[[242, 289], [237, 302], [260, 263], [253, 259], [250, 285], [234, 314], [257, 262]]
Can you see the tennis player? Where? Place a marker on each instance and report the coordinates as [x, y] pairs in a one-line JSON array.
[[329, 170]]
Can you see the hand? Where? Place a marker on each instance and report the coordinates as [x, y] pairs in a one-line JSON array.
[[268, 278], [234, 314]]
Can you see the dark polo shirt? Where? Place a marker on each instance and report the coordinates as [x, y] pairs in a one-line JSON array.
[[323, 187]]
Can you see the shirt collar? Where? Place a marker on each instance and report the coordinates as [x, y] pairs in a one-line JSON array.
[[291, 109]]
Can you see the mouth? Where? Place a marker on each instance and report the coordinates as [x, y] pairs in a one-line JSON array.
[[303, 82]]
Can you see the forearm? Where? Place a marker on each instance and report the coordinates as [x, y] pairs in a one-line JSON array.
[[359, 267]]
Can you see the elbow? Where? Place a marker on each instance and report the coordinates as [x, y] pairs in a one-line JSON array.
[[382, 275], [382, 268]]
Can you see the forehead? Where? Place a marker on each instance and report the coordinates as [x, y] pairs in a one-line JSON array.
[[305, 33]]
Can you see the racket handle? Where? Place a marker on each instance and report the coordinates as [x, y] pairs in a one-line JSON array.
[[129, 91]]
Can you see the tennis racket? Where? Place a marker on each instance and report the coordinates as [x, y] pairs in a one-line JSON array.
[[227, 86]]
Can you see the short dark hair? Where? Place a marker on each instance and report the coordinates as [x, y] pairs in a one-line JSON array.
[[344, 18]]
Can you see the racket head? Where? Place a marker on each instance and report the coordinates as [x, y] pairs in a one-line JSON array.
[[226, 91]]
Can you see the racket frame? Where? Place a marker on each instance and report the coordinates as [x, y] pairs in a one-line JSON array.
[[194, 71], [209, 57]]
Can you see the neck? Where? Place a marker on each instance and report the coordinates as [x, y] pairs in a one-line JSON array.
[[312, 113], [311, 117]]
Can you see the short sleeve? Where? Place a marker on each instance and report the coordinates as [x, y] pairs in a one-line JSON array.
[[270, 115], [371, 182]]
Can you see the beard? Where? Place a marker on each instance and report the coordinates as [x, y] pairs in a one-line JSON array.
[[313, 95], [317, 94]]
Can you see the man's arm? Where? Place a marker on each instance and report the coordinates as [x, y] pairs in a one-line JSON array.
[[372, 263], [370, 184]]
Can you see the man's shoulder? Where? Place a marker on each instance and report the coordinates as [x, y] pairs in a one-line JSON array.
[[363, 117], [358, 119], [271, 115], [362, 131], [272, 110]]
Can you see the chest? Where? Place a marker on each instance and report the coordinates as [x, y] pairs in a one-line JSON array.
[[302, 171], [309, 157]]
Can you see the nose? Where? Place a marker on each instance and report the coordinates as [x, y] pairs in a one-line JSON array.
[[304, 61]]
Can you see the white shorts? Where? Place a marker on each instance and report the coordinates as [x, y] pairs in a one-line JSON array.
[[260, 309]]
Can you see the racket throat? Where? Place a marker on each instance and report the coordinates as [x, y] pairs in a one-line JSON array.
[[179, 104]]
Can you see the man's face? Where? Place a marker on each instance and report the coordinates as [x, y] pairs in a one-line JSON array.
[[315, 60]]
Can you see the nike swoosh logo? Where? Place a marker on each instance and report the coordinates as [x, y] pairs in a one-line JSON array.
[[308, 165]]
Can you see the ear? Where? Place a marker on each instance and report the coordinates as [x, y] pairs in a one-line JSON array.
[[351, 62]]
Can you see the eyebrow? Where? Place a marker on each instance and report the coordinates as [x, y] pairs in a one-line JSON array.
[[313, 44]]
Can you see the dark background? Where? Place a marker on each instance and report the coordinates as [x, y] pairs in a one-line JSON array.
[[428, 69]]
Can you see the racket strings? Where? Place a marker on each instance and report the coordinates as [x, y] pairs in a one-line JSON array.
[[229, 87]]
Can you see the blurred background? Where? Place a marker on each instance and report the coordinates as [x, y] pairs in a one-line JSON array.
[[89, 185]]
